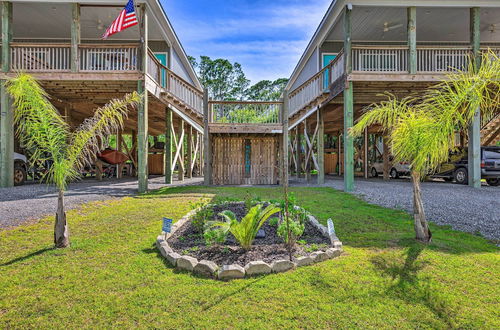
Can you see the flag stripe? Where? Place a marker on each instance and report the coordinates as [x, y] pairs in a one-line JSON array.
[[127, 18]]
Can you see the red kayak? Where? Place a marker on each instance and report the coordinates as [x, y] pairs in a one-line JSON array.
[[112, 157]]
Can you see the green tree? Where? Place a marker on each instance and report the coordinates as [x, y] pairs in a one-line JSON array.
[[421, 130], [42, 129], [224, 80], [267, 90]]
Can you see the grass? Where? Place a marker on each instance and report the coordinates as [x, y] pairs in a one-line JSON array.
[[112, 276]]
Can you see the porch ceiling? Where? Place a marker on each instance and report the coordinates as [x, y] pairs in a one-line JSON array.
[[434, 24], [53, 21]]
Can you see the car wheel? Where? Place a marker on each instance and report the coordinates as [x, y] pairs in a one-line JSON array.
[[374, 172], [394, 173], [461, 176], [19, 175], [493, 182]]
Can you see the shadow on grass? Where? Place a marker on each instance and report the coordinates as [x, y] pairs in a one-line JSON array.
[[409, 286], [28, 256]]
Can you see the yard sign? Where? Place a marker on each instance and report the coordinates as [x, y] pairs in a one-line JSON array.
[[167, 225]]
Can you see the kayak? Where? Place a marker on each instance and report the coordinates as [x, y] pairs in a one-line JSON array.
[[112, 157]]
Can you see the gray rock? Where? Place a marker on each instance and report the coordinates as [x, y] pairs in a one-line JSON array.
[[172, 258], [261, 234], [186, 263], [165, 249], [206, 268], [333, 252], [257, 268], [337, 244], [231, 272], [303, 261], [280, 266], [319, 256], [160, 239]]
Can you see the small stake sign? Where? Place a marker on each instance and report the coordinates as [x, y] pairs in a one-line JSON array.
[[167, 225], [331, 228]]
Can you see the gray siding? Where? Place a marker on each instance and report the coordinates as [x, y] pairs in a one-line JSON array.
[[179, 68], [309, 70]]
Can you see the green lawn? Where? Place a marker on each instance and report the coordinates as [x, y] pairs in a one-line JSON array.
[[112, 276]]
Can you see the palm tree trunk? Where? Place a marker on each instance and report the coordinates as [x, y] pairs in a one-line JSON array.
[[422, 230], [61, 232]]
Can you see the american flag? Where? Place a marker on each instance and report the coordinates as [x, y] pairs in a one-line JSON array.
[[126, 19]]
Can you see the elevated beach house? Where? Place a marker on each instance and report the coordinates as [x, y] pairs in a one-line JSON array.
[[364, 48], [60, 43]]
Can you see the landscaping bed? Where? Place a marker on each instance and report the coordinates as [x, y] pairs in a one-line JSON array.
[[241, 239], [188, 241]]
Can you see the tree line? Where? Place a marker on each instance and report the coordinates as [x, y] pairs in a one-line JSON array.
[[227, 81]]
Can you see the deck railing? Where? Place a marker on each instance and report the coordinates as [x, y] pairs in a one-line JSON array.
[[245, 112], [40, 57], [316, 85], [174, 84], [108, 57], [379, 59], [57, 57]]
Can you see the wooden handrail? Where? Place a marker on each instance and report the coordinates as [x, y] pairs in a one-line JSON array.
[[108, 45], [25, 44], [329, 66], [247, 102]]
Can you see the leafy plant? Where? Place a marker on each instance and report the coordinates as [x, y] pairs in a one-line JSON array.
[[274, 222], [421, 130], [42, 129], [245, 230], [296, 230], [215, 236], [202, 217]]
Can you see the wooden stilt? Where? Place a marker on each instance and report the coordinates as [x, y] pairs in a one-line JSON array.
[[189, 152], [168, 146], [119, 143], [348, 106], [412, 39], [75, 37], [142, 111], [321, 147], [207, 148], [365, 154]]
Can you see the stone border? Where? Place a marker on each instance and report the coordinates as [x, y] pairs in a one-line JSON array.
[[210, 269]]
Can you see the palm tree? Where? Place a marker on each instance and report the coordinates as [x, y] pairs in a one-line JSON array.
[[421, 130], [42, 129]]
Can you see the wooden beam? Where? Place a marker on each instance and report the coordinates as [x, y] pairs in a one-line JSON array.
[[142, 111], [119, 145], [207, 145], [474, 147], [189, 152], [412, 39], [321, 147], [168, 146], [284, 149], [75, 37], [365, 154], [6, 110], [348, 106], [180, 152]]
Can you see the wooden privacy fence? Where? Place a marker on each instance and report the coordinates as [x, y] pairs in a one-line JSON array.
[[245, 160], [241, 112], [174, 84]]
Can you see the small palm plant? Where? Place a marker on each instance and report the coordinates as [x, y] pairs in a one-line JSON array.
[[42, 129], [421, 130], [245, 230]]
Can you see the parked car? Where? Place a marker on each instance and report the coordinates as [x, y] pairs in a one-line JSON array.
[[457, 168], [396, 169], [20, 169]]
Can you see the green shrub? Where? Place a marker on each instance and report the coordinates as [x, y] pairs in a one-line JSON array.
[[215, 236], [200, 219], [245, 230], [296, 230]]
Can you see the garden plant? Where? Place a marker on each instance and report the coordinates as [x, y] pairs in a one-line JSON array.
[[41, 128]]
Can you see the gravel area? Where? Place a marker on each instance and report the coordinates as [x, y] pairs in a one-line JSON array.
[[464, 208], [26, 203]]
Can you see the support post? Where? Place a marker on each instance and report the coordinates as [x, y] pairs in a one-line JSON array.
[[142, 111], [75, 37], [189, 152], [385, 158], [298, 151], [365, 154], [321, 147], [285, 148], [119, 167], [339, 154], [207, 141], [348, 106], [412, 39], [6, 110], [307, 162], [181, 167], [168, 146], [474, 148]]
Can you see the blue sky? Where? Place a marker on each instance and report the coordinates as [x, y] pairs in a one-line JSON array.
[[266, 36]]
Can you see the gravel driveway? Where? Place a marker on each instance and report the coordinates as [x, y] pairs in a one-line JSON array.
[[22, 204], [464, 208]]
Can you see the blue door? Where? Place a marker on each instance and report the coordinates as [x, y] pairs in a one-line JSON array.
[[162, 58], [327, 59]]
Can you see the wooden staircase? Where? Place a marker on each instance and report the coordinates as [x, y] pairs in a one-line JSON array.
[[490, 134]]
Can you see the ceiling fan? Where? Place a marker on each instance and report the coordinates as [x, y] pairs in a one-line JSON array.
[[388, 27]]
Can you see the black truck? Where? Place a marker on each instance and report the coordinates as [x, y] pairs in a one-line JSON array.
[[458, 169]]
